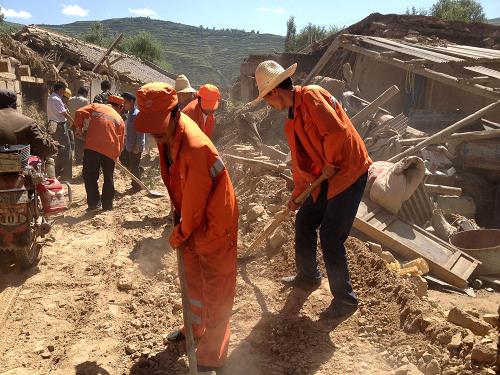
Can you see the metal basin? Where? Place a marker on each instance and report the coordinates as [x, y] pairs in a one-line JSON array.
[[482, 244]]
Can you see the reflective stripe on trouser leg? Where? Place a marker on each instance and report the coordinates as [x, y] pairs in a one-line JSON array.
[[195, 290], [219, 283]]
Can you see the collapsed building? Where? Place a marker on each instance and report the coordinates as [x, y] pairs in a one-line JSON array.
[[405, 80], [40, 57]]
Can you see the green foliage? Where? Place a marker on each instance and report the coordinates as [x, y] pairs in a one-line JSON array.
[[459, 10], [96, 34], [414, 11], [308, 35], [291, 34], [2, 17], [143, 45]]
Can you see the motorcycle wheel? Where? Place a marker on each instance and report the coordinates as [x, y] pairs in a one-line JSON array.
[[30, 254]]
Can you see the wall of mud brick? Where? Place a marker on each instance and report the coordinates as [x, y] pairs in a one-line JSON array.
[[373, 77]]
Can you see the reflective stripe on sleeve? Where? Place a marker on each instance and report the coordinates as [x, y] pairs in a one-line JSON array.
[[216, 168]]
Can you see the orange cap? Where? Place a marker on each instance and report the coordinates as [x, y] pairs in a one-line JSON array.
[[155, 101], [210, 96], [116, 99]]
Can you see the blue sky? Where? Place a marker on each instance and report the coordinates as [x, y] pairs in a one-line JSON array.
[[266, 16]]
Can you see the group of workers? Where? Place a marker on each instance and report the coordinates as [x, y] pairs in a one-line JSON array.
[[322, 141]]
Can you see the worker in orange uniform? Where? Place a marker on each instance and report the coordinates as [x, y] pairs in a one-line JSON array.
[[202, 109], [103, 144], [202, 196], [322, 140]]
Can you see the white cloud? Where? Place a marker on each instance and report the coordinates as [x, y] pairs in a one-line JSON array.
[[11, 13], [74, 10], [271, 10], [144, 12]]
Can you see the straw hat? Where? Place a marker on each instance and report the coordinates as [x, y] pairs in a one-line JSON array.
[[182, 84], [270, 74]]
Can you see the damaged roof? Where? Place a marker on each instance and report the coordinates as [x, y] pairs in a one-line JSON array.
[[471, 68], [60, 48]]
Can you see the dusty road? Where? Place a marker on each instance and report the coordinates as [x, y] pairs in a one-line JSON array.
[[106, 293]]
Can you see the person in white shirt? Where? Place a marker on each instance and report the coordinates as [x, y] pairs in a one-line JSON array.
[[74, 103], [59, 116]]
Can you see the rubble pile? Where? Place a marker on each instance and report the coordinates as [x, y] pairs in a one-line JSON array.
[[396, 315]]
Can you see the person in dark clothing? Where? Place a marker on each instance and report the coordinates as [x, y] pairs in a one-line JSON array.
[[17, 129], [134, 140], [104, 95]]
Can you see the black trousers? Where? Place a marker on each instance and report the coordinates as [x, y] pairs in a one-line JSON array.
[[92, 163], [334, 218], [64, 159], [133, 163]]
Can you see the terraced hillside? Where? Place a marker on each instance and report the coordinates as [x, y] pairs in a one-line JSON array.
[[205, 55]]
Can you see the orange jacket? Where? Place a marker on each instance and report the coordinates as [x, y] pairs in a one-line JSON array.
[[320, 133], [200, 190], [193, 110], [106, 131]]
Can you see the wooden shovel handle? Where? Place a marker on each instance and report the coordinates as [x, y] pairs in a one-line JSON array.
[[283, 215], [131, 175], [303, 196]]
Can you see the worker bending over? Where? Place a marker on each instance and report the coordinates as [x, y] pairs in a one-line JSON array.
[[202, 109]]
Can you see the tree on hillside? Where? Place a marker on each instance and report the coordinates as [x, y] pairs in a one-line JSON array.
[[459, 10], [414, 11], [291, 34], [96, 35], [2, 16], [145, 46]]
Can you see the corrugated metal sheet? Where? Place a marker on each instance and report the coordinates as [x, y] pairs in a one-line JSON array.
[[412, 50], [485, 71], [417, 209], [398, 123]]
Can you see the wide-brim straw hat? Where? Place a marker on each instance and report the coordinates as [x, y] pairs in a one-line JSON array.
[[270, 74], [182, 84]]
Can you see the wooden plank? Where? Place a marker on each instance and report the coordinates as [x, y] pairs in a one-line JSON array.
[[108, 51], [411, 241], [116, 60], [458, 137], [371, 108], [445, 132], [442, 189]]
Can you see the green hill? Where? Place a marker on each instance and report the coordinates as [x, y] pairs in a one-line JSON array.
[[495, 21], [204, 55]]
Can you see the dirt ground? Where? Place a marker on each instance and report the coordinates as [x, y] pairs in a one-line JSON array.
[[106, 292]]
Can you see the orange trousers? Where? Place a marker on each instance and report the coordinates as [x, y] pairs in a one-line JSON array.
[[211, 281]]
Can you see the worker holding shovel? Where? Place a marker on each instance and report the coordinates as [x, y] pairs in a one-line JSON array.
[[203, 198], [322, 142]]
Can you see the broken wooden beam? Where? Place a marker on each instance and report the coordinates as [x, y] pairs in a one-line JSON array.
[[443, 189], [108, 51], [265, 164], [371, 108], [334, 46], [468, 136], [445, 132]]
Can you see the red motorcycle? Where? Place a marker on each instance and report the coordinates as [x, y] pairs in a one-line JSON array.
[[30, 198]]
